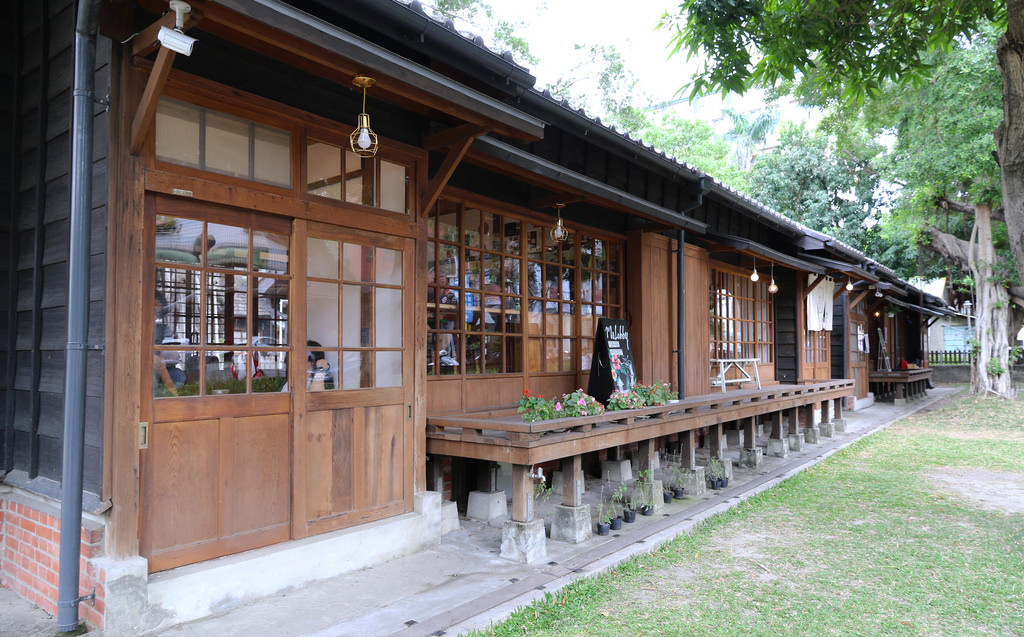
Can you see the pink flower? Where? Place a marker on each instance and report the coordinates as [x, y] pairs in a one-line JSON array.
[[558, 406], [581, 402]]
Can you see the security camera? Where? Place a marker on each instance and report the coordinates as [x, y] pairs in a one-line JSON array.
[[176, 40]]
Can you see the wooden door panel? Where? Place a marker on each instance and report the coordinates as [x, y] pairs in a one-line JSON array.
[[383, 455], [697, 315], [255, 463], [181, 485], [329, 463]]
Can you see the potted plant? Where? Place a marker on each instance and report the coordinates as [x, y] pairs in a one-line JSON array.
[[714, 472], [642, 492], [677, 481], [604, 518]]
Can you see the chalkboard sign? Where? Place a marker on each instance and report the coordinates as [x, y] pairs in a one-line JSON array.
[[611, 368]]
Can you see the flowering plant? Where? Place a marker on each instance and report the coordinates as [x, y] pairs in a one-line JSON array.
[[629, 399], [655, 394], [534, 408], [579, 403]]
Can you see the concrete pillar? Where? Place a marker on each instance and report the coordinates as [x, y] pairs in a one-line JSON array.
[[572, 524], [524, 541], [751, 458], [735, 437]]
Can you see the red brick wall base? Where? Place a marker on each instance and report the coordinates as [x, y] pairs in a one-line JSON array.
[[30, 552]]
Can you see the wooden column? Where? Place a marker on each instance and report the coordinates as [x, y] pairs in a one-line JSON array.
[[487, 476], [715, 440], [825, 406], [808, 410], [572, 481], [749, 426], [838, 404], [645, 455], [686, 455], [776, 420], [794, 420], [522, 493]]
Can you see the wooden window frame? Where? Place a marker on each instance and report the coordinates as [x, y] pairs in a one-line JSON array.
[[750, 318]]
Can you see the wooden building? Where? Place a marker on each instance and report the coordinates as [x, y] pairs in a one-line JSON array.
[[274, 318]]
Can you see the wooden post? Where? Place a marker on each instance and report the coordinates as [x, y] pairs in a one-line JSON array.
[[715, 440], [808, 410], [686, 455], [838, 404], [572, 481], [794, 420], [825, 405], [522, 493], [749, 427], [487, 476], [776, 420], [645, 455]]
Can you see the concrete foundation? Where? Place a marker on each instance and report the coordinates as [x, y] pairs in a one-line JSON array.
[[796, 442], [734, 437], [486, 506], [449, 516], [752, 458], [827, 429], [839, 424], [572, 524], [812, 435], [778, 448], [863, 403], [524, 541], [693, 481], [616, 471], [655, 464]]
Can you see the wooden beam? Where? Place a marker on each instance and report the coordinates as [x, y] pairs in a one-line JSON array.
[[454, 135], [146, 112], [546, 202], [857, 299], [816, 283], [444, 173]]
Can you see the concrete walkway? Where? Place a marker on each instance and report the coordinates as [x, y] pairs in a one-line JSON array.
[[463, 584]]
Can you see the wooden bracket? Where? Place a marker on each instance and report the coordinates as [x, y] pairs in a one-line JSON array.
[[146, 112], [816, 283], [444, 173], [451, 136], [857, 299]]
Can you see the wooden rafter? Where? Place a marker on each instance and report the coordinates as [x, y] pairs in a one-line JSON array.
[[444, 173], [146, 112], [453, 135], [857, 299]]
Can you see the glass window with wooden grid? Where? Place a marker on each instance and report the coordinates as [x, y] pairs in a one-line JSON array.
[[816, 346], [220, 309], [742, 317], [493, 307]]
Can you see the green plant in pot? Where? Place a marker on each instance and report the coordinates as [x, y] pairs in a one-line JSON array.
[[676, 472], [643, 492], [714, 472], [604, 515]]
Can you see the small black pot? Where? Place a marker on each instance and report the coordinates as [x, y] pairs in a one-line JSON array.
[[629, 516], [647, 510], [668, 497], [725, 482], [678, 493], [603, 529], [713, 483], [617, 523], [719, 483]]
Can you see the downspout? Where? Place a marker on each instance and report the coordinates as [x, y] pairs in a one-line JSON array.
[[78, 316], [680, 313]]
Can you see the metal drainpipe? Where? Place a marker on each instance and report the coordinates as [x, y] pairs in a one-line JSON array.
[[78, 316], [680, 313]]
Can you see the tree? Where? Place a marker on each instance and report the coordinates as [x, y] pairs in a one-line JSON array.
[[748, 133], [807, 178], [600, 83], [851, 51], [697, 144], [480, 15]]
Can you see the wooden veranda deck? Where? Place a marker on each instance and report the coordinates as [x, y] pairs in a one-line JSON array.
[[501, 435]]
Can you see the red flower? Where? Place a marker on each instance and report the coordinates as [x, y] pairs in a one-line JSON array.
[[526, 392]]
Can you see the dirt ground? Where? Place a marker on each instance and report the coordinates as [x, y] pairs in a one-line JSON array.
[[992, 490]]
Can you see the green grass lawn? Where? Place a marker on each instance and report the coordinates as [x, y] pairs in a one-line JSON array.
[[918, 530]]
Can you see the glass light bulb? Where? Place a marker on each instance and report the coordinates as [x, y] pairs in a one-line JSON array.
[[363, 141], [755, 276], [849, 286], [772, 289]]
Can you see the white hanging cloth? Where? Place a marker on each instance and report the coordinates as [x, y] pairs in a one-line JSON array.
[[819, 304]]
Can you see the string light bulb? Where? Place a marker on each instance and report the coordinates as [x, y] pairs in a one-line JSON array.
[[849, 285], [559, 233], [363, 140], [772, 288], [754, 276]]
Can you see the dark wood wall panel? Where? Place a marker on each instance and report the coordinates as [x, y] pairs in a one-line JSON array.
[[36, 72], [787, 343], [838, 337]]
